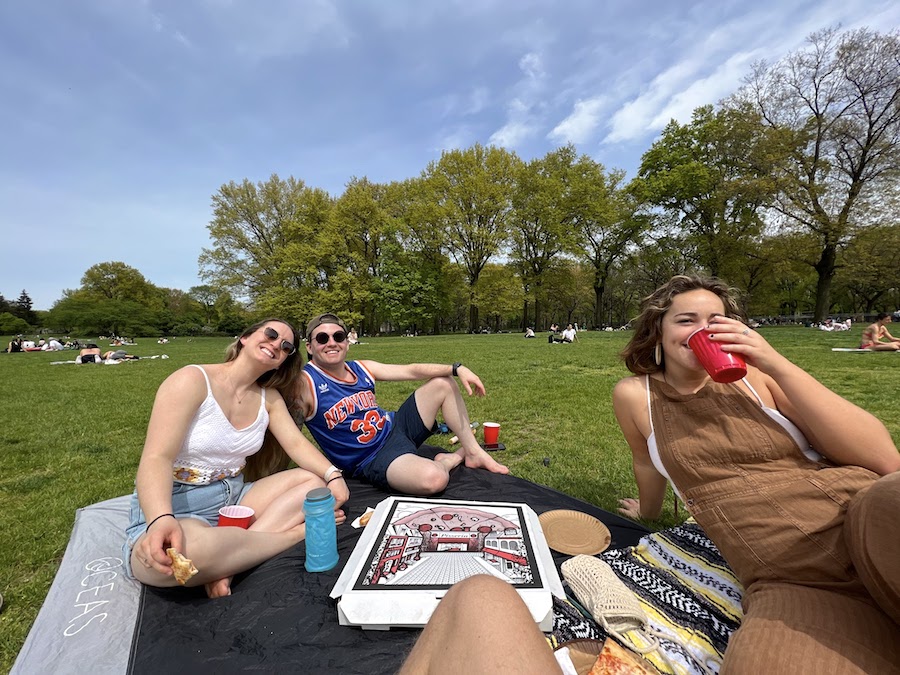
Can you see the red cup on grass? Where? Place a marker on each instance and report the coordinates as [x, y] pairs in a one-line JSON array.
[[491, 433], [235, 516], [721, 366]]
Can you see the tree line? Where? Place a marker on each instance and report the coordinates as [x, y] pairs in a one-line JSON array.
[[786, 189]]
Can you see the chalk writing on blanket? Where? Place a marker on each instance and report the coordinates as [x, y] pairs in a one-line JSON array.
[[95, 586]]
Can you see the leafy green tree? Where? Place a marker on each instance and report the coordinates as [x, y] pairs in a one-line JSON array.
[[265, 239], [871, 269], [499, 295], [12, 325], [542, 222], [473, 189], [118, 281], [83, 313], [231, 316], [608, 221], [420, 230], [206, 296], [570, 293], [405, 293], [711, 173], [833, 108], [363, 215]]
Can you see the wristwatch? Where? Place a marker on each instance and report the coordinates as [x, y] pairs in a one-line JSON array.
[[456, 367]]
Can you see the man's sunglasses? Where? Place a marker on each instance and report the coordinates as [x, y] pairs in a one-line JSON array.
[[286, 346], [338, 336]]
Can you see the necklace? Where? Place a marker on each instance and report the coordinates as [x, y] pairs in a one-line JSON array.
[[239, 399]]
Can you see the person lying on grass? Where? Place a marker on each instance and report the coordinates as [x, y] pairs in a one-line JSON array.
[[204, 446]]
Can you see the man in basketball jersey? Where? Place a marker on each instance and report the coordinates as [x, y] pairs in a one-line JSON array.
[[365, 441]]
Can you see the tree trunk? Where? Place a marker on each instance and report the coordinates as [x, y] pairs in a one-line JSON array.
[[525, 315], [473, 314], [598, 306], [825, 269]]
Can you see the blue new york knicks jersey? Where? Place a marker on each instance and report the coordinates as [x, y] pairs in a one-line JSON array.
[[345, 420]]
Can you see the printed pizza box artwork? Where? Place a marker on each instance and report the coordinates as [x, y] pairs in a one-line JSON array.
[[423, 544], [414, 549]]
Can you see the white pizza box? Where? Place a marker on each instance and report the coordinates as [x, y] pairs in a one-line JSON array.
[[369, 599]]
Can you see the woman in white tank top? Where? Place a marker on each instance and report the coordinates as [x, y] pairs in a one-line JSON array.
[[207, 430]]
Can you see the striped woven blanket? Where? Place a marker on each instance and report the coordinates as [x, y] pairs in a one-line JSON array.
[[687, 591]]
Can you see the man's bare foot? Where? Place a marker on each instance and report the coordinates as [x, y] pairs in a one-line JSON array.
[[219, 588], [479, 459], [449, 460]]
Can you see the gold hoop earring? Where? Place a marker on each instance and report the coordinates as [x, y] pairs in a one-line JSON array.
[[657, 353]]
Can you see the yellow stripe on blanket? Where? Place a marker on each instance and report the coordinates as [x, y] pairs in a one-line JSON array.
[[688, 593]]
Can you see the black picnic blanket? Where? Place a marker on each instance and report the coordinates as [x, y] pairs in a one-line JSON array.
[[279, 617]]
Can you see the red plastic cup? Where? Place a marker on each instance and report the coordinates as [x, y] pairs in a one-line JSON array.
[[491, 433], [721, 366], [235, 516]]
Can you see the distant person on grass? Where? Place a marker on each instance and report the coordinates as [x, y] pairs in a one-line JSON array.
[[338, 399], [90, 354], [877, 338], [119, 355], [206, 436]]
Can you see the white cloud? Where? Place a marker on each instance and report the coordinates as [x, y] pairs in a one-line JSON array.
[[511, 134], [581, 123], [521, 118], [531, 64]]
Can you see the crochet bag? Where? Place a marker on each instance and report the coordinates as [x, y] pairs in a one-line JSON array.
[[613, 606]]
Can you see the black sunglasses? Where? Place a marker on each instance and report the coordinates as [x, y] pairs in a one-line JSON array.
[[339, 336], [286, 346]]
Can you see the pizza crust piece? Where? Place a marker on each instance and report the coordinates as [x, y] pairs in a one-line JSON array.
[[184, 569]]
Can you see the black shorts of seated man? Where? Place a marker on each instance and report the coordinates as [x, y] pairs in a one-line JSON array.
[[364, 440]]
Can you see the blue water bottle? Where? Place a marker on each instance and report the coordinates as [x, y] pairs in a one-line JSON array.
[[321, 530]]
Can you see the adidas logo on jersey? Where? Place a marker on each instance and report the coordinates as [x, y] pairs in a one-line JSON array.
[[323, 388]]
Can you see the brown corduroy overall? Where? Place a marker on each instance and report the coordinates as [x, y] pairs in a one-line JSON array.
[[817, 547]]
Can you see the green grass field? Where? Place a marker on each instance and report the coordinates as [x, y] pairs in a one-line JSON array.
[[72, 435]]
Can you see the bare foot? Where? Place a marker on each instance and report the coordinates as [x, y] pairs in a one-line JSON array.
[[449, 460], [479, 459], [219, 589]]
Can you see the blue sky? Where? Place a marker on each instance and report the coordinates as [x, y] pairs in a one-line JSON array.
[[121, 118]]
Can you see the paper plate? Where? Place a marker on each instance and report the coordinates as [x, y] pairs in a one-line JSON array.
[[574, 532]]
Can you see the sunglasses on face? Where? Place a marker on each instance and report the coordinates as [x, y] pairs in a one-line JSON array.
[[286, 346], [338, 336]]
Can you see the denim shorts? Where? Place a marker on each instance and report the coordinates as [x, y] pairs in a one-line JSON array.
[[407, 435], [188, 501]]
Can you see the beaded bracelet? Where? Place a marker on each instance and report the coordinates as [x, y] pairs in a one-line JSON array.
[[157, 518]]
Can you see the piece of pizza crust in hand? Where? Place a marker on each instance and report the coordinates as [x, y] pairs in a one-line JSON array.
[[184, 569]]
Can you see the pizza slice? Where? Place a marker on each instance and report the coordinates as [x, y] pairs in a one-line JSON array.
[[616, 660]]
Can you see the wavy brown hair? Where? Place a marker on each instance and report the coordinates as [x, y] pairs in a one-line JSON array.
[[286, 379], [638, 353]]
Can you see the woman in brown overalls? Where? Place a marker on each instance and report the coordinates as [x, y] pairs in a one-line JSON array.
[[813, 533]]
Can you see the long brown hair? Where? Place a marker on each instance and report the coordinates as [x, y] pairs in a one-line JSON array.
[[285, 379], [638, 353]]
